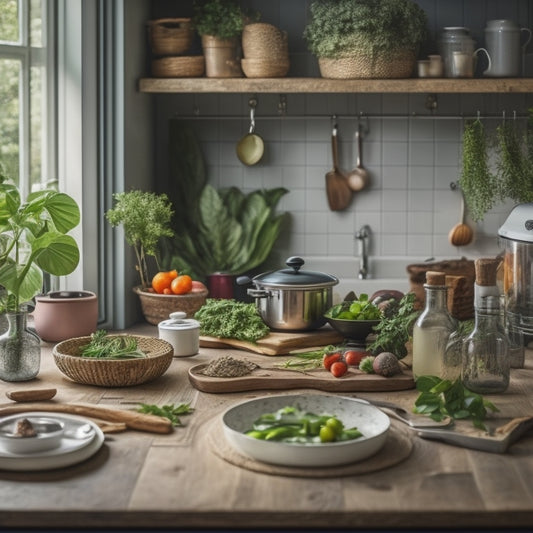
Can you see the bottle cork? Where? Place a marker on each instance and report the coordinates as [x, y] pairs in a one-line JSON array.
[[486, 271], [435, 278]]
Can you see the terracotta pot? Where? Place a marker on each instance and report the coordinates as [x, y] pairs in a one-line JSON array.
[[221, 57], [62, 315]]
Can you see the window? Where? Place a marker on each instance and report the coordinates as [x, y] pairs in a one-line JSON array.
[[27, 101]]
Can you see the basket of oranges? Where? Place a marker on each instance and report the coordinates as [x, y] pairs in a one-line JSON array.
[[171, 292]]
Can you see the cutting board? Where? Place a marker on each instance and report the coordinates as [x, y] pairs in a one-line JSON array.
[[278, 343], [273, 378]]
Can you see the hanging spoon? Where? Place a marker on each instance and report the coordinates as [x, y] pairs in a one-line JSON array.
[[461, 234], [358, 177]]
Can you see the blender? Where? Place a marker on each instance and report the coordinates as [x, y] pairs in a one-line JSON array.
[[516, 239]]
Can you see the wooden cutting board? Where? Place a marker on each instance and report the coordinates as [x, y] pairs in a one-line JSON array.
[[278, 343], [273, 378]]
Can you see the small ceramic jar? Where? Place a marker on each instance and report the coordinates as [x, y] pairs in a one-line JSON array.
[[183, 333]]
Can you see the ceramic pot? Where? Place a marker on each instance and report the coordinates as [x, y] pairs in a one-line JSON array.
[[62, 315]]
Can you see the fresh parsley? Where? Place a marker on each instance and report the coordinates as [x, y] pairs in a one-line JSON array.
[[440, 398], [171, 411]]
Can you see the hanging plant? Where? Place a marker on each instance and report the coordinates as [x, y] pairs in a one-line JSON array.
[[478, 184]]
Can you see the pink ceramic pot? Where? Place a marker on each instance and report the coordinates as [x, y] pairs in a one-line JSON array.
[[62, 315]]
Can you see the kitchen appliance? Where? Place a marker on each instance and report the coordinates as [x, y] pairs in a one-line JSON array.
[[516, 238], [292, 299]]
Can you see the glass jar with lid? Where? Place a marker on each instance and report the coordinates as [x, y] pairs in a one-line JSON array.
[[454, 39]]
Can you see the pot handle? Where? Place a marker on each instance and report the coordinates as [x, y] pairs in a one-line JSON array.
[[243, 280], [258, 293]]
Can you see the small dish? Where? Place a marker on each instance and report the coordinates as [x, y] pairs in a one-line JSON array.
[[47, 434], [373, 423], [357, 330]]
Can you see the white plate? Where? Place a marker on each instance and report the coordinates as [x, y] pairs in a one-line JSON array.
[[70, 451], [373, 423]]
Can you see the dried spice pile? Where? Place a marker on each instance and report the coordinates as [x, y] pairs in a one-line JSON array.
[[229, 367]]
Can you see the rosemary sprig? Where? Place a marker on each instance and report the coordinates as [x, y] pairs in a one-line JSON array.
[[119, 347]]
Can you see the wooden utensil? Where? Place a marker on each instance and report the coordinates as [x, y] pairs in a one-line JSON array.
[[339, 194], [358, 177], [461, 234], [31, 395]]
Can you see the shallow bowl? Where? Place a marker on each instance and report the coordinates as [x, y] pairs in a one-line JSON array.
[[373, 423], [113, 372], [357, 330], [49, 434]]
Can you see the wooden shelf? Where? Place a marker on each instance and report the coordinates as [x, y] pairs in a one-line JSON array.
[[322, 85]]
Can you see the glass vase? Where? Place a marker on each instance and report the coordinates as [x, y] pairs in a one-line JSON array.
[[20, 349]]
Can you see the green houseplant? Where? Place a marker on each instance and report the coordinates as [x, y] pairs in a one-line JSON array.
[[365, 38], [33, 240]]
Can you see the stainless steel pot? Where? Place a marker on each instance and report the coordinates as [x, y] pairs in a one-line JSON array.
[[292, 299]]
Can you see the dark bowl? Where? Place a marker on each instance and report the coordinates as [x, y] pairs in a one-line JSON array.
[[357, 330]]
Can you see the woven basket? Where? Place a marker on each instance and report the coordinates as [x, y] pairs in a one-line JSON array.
[[264, 41], [157, 307], [113, 372], [170, 36], [398, 64], [178, 67], [263, 68]]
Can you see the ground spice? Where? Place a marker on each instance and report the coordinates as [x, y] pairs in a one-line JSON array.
[[229, 367]]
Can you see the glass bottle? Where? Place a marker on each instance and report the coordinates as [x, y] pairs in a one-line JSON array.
[[486, 360], [20, 349], [432, 328]]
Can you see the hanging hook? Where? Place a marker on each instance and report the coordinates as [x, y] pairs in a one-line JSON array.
[[252, 102]]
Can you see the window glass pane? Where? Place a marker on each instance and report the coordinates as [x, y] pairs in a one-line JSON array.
[[36, 23], [9, 116], [38, 176], [9, 16]]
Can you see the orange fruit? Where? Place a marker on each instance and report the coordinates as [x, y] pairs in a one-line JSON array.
[[161, 281], [173, 274], [182, 284]]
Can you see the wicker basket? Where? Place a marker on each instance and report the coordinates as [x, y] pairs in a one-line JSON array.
[[157, 307], [178, 67], [170, 36], [264, 68], [113, 372], [399, 64], [264, 41]]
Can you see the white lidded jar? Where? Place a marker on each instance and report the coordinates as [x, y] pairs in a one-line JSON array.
[[183, 333]]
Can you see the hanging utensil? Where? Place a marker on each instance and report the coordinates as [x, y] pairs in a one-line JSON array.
[[461, 234], [338, 192], [250, 148], [358, 177]]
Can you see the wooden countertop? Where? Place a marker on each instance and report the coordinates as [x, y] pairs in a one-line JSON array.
[[142, 480]]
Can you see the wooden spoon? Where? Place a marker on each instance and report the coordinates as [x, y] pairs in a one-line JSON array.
[[338, 192], [358, 177], [461, 234]]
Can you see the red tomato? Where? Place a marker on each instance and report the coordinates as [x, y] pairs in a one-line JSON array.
[[339, 368], [198, 286], [353, 357], [330, 358]]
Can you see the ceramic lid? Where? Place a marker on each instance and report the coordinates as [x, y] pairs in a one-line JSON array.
[[178, 322], [293, 277]]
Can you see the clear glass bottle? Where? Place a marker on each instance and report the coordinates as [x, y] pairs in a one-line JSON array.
[[432, 328], [486, 361], [20, 349], [486, 357]]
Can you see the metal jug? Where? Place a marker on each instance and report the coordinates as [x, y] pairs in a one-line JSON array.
[[503, 39]]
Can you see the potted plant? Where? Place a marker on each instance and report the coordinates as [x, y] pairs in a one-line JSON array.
[[366, 38], [33, 240], [220, 24]]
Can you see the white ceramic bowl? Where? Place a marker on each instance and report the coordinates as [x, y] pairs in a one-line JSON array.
[[49, 434], [373, 423]]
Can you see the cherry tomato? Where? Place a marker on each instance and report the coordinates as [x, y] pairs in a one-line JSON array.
[[330, 358], [339, 368], [353, 357]]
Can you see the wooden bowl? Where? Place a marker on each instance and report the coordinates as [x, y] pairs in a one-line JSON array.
[[157, 307], [113, 372]]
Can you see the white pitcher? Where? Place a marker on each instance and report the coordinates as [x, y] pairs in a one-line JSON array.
[[503, 41]]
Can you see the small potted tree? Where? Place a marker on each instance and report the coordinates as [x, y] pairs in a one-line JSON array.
[[366, 39], [33, 240], [220, 24]]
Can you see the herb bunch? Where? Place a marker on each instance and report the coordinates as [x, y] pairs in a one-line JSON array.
[[440, 398], [101, 346], [171, 411]]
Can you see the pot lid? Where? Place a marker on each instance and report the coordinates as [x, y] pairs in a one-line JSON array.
[[295, 278], [177, 321], [519, 224]]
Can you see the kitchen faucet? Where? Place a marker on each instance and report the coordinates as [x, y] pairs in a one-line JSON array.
[[362, 236]]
